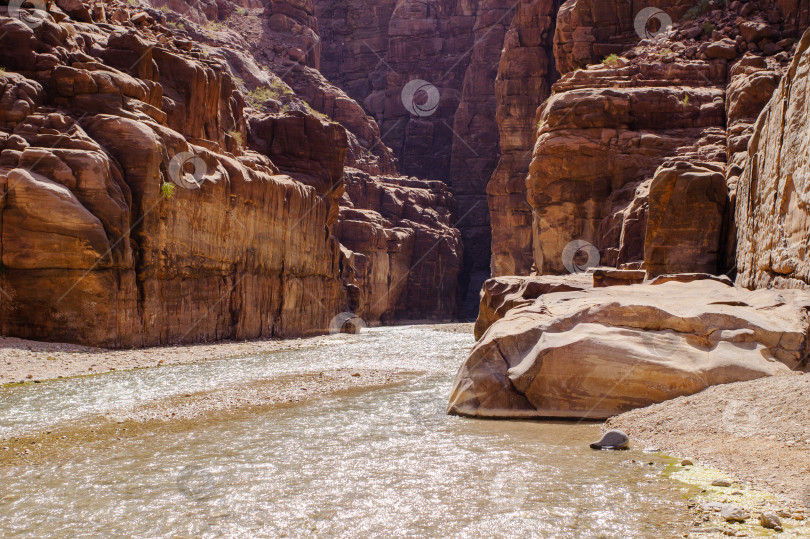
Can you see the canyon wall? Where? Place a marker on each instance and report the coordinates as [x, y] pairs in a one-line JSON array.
[[131, 214], [629, 151], [163, 184], [772, 213], [401, 233], [525, 74]]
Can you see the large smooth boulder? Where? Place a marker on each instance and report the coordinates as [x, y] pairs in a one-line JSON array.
[[599, 352]]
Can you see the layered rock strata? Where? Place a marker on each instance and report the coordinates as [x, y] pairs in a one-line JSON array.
[[132, 216], [415, 216], [525, 74], [162, 174], [403, 244], [610, 135]]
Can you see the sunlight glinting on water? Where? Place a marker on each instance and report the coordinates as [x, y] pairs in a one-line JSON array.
[[385, 463]]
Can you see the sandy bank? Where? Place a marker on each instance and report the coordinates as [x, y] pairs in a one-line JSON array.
[[28, 361], [757, 431]]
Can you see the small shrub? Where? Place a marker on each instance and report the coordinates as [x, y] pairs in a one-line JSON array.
[[167, 190], [701, 7], [165, 9], [2, 70], [666, 52], [276, 90], [237, 136], [214, 27], [241, 11], [708, 29], [317, 113], [685, 99], [612, 60]]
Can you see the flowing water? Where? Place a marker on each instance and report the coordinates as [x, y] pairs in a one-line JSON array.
[[379, 463]]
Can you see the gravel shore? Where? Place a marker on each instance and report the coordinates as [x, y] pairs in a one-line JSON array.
[[757, 431], [27, 361]]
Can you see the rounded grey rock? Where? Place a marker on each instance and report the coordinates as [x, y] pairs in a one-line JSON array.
[[612, 439]]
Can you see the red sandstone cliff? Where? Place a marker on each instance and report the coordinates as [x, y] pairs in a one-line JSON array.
[[101, 243], [772, 211], [107, 241], [640, 155]]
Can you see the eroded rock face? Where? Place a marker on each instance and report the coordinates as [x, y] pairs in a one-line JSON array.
[[501, 294], [525, 74], [400, 230], [601, 135], [372, 50], [589, 30], [236, 243], [688, 95], [98, 250], [687, 205], [396, 230], [599, 352], [773, 222]]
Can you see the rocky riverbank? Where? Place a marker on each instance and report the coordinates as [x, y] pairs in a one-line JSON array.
[[24, 361], [758, 431]]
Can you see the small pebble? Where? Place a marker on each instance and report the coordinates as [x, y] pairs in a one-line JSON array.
[[733, 513], [687, 462], [721, 483], [770, 521]]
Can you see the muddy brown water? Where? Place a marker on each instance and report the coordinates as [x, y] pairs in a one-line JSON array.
[[385, 462]]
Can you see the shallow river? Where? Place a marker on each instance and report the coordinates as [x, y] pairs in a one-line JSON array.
[[384, 463]]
